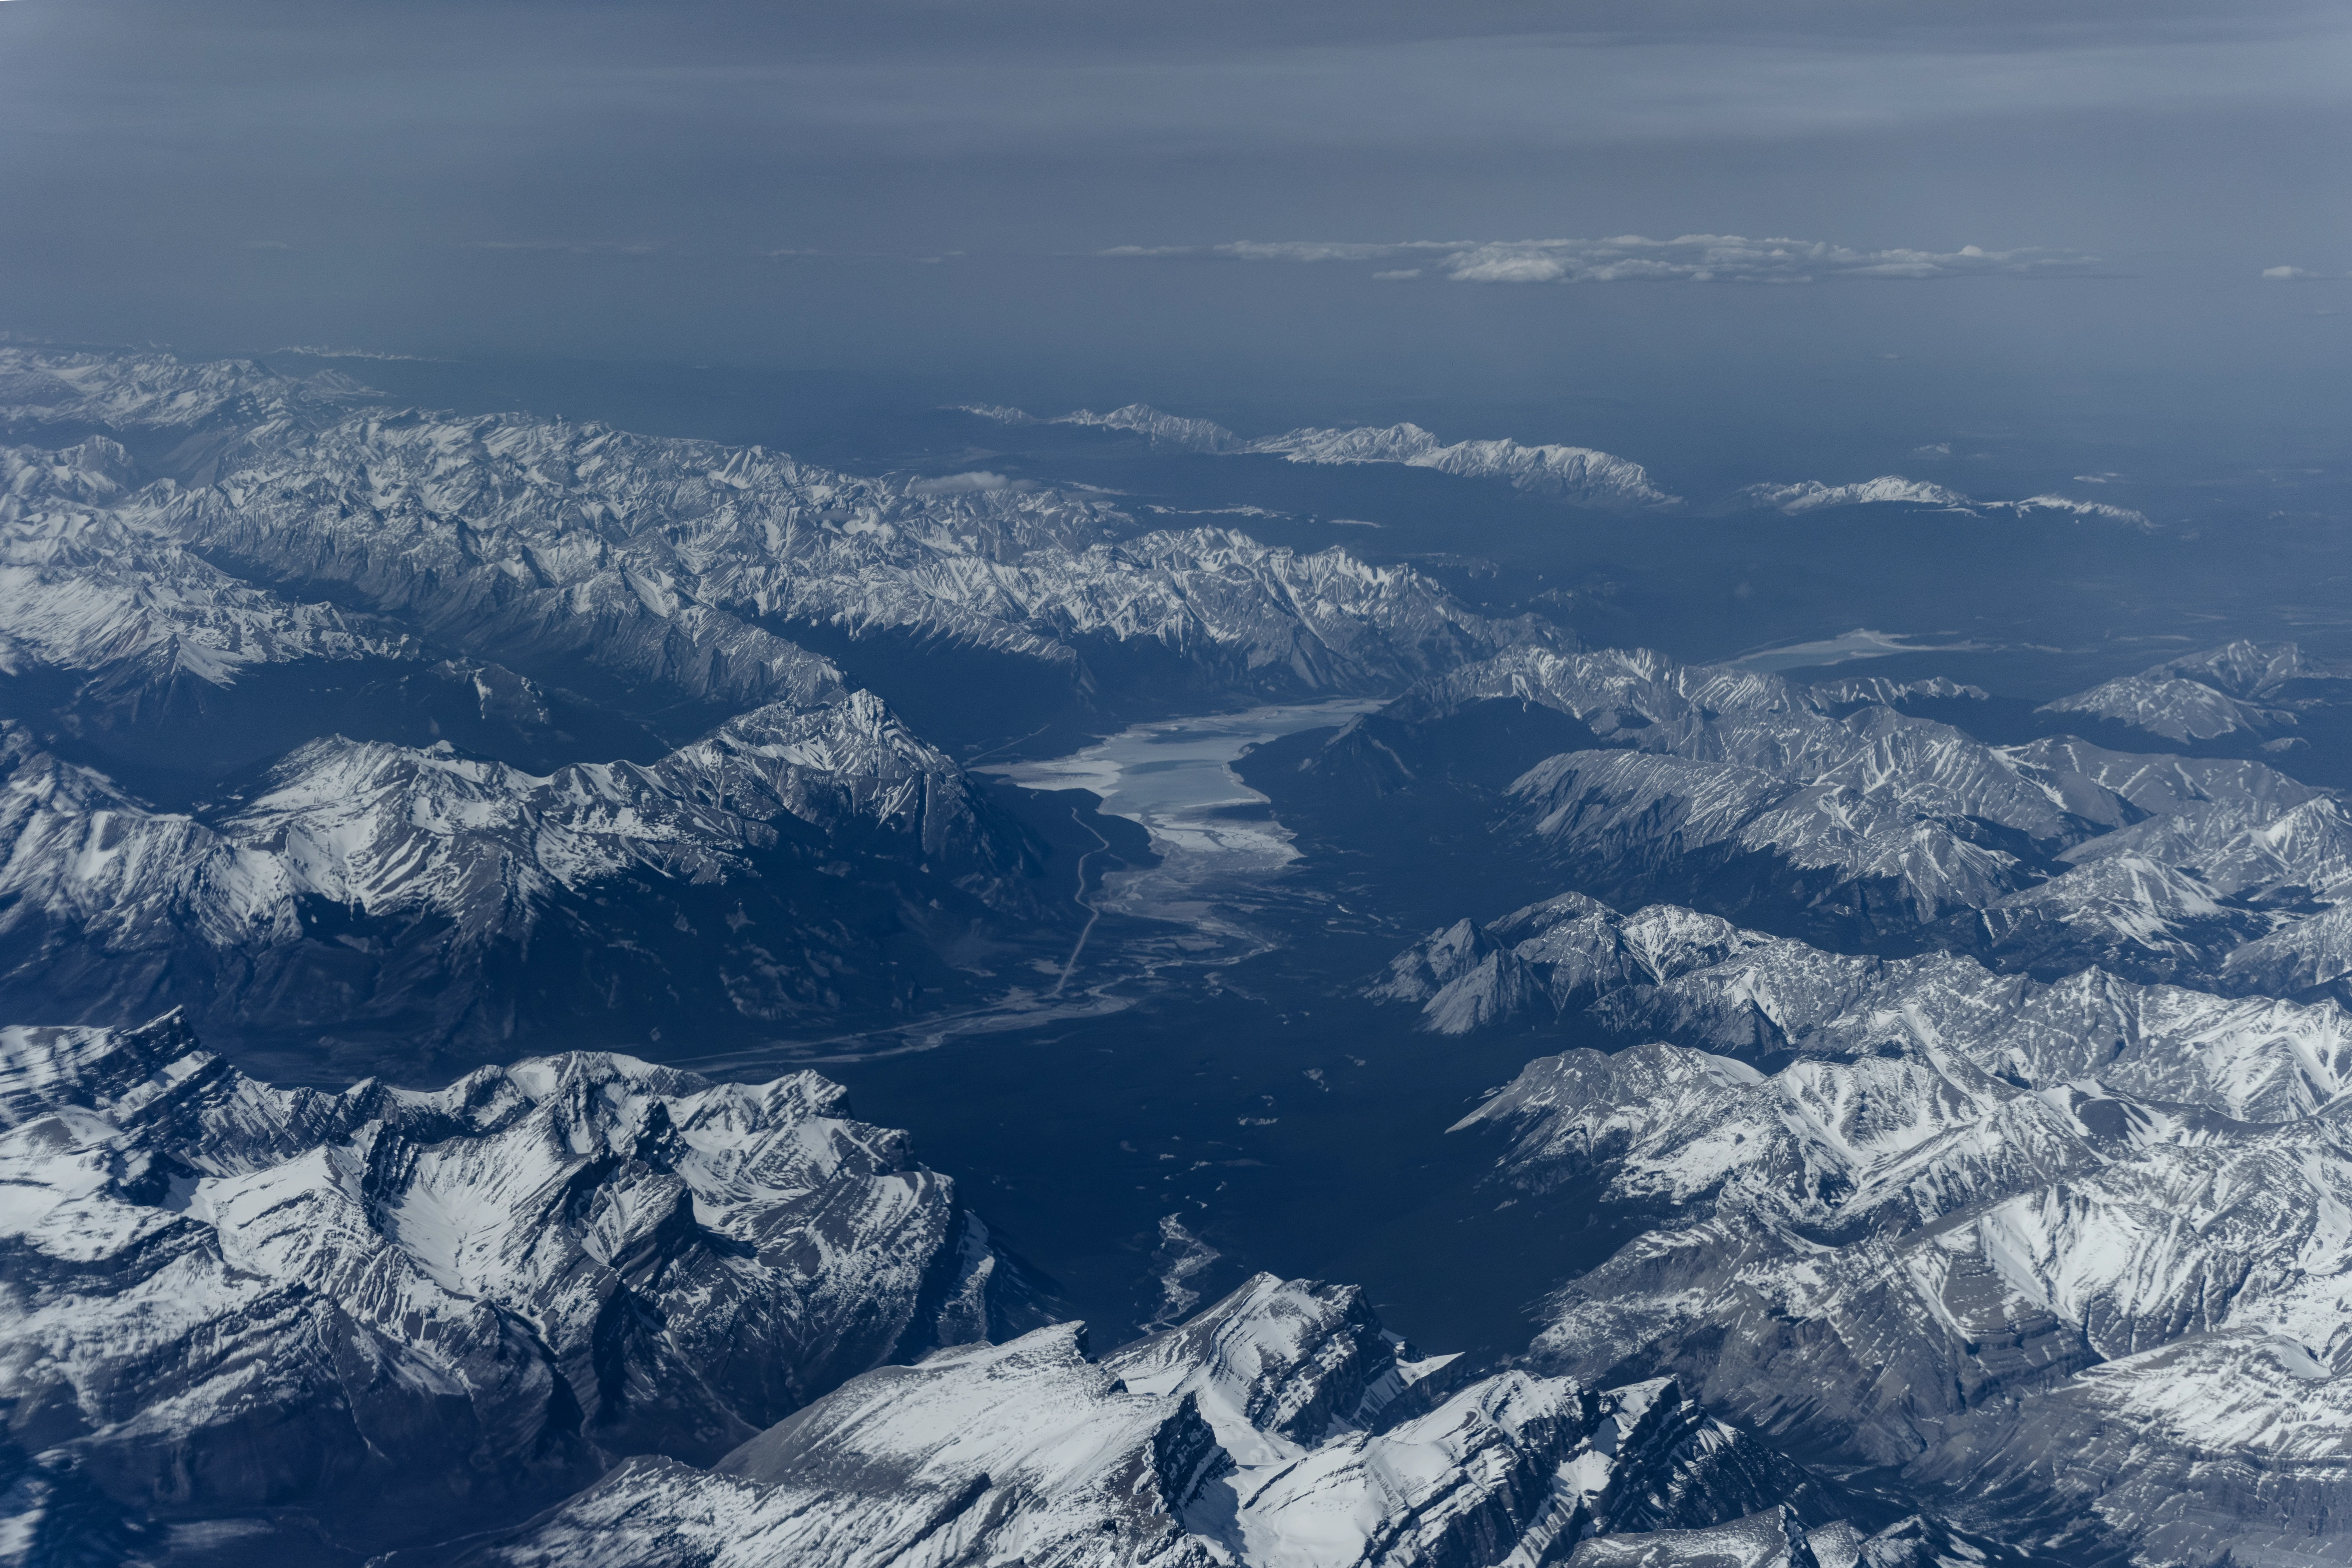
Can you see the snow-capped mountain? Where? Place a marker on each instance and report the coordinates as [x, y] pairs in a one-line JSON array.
[[1671, 973], [1137, 418], [1963, 1149], [2241, 686], [458, 902], [247, 554], [1812, 495], [158, 392], [83, 590], [680, 566], [390, 1315], [1578, 475], [1832, 813], [2061, 1256], [2064, 1312], [1703, 771], [1220, 1442]]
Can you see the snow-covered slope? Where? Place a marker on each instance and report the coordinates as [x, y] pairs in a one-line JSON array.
[[464, 901], [1812, 495], [1829, 812], [2069, 1257], [1671, 974], [1576, 474], [156, 392], [672, 563], [1877, 811], [2240, 686], [1137, 418], [395, 1313], [86, 590], [2050, 1306], [1215, 1443]]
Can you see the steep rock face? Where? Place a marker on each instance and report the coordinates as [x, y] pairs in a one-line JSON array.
[[1615, 691], [2123, 911], [362, 884], [1777, 1538], [1839, 1149], [2239, 687], [1887, 820], [2308, 955], [1218, 1441], [494, 536], [1888, 490], [2231, 1446], [391, 1311], [2260, 852], [1014, 1453], [1138, 418]]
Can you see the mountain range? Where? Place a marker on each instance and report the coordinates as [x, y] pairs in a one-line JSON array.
[[248, 629], [2059, 1256], [1864, 825], [1924, 1124]]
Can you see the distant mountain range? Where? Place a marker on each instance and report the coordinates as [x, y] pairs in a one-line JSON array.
[[1576, 474], [1580, 475]]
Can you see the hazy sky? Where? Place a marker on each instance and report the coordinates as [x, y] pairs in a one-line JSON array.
[[920, 194]]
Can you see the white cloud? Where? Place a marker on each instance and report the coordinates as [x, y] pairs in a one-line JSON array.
[[1398, 275], [2289, 273], [1690, 258]]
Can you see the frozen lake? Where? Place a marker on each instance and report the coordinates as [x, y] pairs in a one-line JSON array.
[[1214, 834]]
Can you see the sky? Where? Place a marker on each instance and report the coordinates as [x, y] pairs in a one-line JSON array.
[[2049, 220]]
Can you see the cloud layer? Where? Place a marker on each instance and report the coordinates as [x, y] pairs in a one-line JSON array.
[[1691, 258]]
